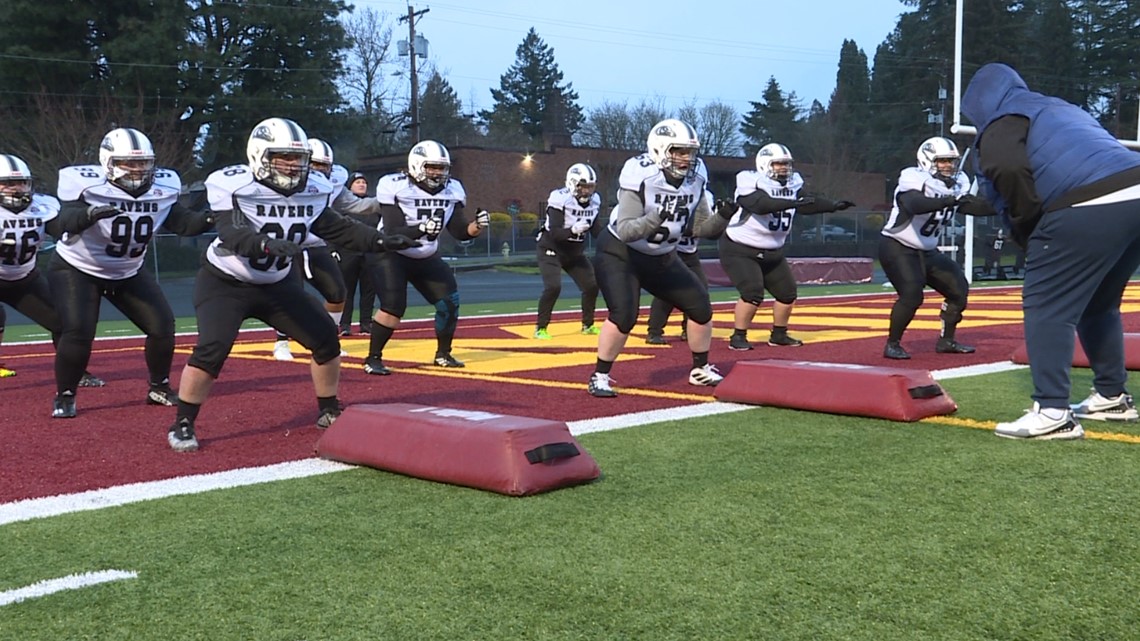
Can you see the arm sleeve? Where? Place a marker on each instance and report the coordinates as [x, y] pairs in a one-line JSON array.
[[349, 205], [557, 232], [913, 203], [236, 234], [186, 222], [630, 220], [1005, 162], [458, 224], [396, 223], [759, 202], [819, 206], [706, 223], [346, 232], [72, 218]]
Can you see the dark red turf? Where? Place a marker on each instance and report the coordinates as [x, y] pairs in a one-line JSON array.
[[263, 411]]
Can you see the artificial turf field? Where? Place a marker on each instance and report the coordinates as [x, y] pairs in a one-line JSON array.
[[758, 524]]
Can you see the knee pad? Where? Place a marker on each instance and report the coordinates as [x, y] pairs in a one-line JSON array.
[[327, 350], [752, 294], [624, 320], [910, 300], [447, 311], [787, 300], [208, 357], [952, 312]]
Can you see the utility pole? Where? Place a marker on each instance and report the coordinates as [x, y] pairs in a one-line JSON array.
[[412, 53]]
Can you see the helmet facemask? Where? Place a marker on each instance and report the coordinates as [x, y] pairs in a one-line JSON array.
[[284, 170], [679, 161], [432, 174], [134, 175], [15, 194]]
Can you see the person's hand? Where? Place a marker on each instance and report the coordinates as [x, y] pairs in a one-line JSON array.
[[280, 247], [948, 201], [843, 204], [95, 213], [482, 219], [972, 205], [726, 209], [580, 227], [431, 226], [396, 242]]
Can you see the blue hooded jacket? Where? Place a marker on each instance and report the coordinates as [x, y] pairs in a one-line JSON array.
[[1067, 148]]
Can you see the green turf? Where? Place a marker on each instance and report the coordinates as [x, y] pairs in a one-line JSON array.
[[767, 524]]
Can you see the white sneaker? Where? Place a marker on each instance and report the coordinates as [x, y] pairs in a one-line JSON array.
[[281, 351], [1036, 425], [1101, 408], [600, 386], [708, 375]]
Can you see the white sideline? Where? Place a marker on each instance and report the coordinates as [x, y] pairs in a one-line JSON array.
[[69, 582], [39, 508]]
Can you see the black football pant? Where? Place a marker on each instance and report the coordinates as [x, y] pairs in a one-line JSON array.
[[354, 270], [551, 264], [660, 309], [910, 270]]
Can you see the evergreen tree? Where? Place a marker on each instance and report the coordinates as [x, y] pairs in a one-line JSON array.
[[441, 114], [775, 118], [849, 109], [531, 96]]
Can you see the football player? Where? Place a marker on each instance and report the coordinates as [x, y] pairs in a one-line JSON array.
[[266, 210], [660, 200], [571, 214], [420, 203], [318, 263], [23, 215], [752, 248], [109, 215], [659, 309], [926, 198]]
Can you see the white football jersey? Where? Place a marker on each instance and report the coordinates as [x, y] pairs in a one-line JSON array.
[[266, 212], [922, 231], [641, 175], [688, 244], [768, 231], [574, 212], [114, 248], [26, 231], [419, 205], [337, 178]]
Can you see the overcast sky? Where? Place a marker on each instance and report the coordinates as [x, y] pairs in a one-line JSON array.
[[626, 50]]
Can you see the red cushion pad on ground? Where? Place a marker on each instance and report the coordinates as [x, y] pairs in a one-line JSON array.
[[511, 455], [1080, 359], [837, 388]]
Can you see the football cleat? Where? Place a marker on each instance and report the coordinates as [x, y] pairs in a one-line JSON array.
[[161, 394], [951, 346], [328, 416], [91, 380], [373, 365], [783, 340], [591, 330], [895, 350], [5, 372], [64, 405], [600, 386], [447, 360], [180, 436], [542, 335], [1104, 408], [344, 331], [1035, 424], [739, 343], [281, 351], [707, 375], [655, 339]]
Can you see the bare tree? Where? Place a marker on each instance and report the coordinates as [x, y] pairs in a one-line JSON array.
[[719, 129], [370, 37], [617, 126]]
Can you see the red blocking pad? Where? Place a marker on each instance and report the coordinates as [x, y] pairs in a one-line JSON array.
[[837, 388], [1080, 359], [511, 455]]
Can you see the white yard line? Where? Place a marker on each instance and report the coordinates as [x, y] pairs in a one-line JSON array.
[[69, 582]]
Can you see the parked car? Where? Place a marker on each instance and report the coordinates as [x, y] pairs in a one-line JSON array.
[[827, 233]]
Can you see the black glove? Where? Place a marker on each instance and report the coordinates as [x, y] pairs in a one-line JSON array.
[[947, 201], [803, 202], [726, 209], [280, 247], [396, 242], [95, 213], [972, 205], [843, 204]]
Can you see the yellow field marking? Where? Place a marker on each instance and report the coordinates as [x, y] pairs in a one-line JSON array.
[[1119, 437]]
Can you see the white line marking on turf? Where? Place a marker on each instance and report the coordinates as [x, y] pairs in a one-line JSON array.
[[29, 509], [69, 582]]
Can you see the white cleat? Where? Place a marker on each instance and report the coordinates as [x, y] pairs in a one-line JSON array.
[[281, 351]]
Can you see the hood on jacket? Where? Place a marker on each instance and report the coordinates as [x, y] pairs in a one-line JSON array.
[[988, 93]]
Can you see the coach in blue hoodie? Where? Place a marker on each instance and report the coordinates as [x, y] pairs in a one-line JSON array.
[[1070, 193]]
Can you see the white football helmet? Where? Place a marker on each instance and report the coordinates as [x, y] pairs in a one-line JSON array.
[[429, 155], [322, 158], [774, 152], [938, 148], [581, 180], [15, 183], [678, 137], [127, 157], [274, 136]]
